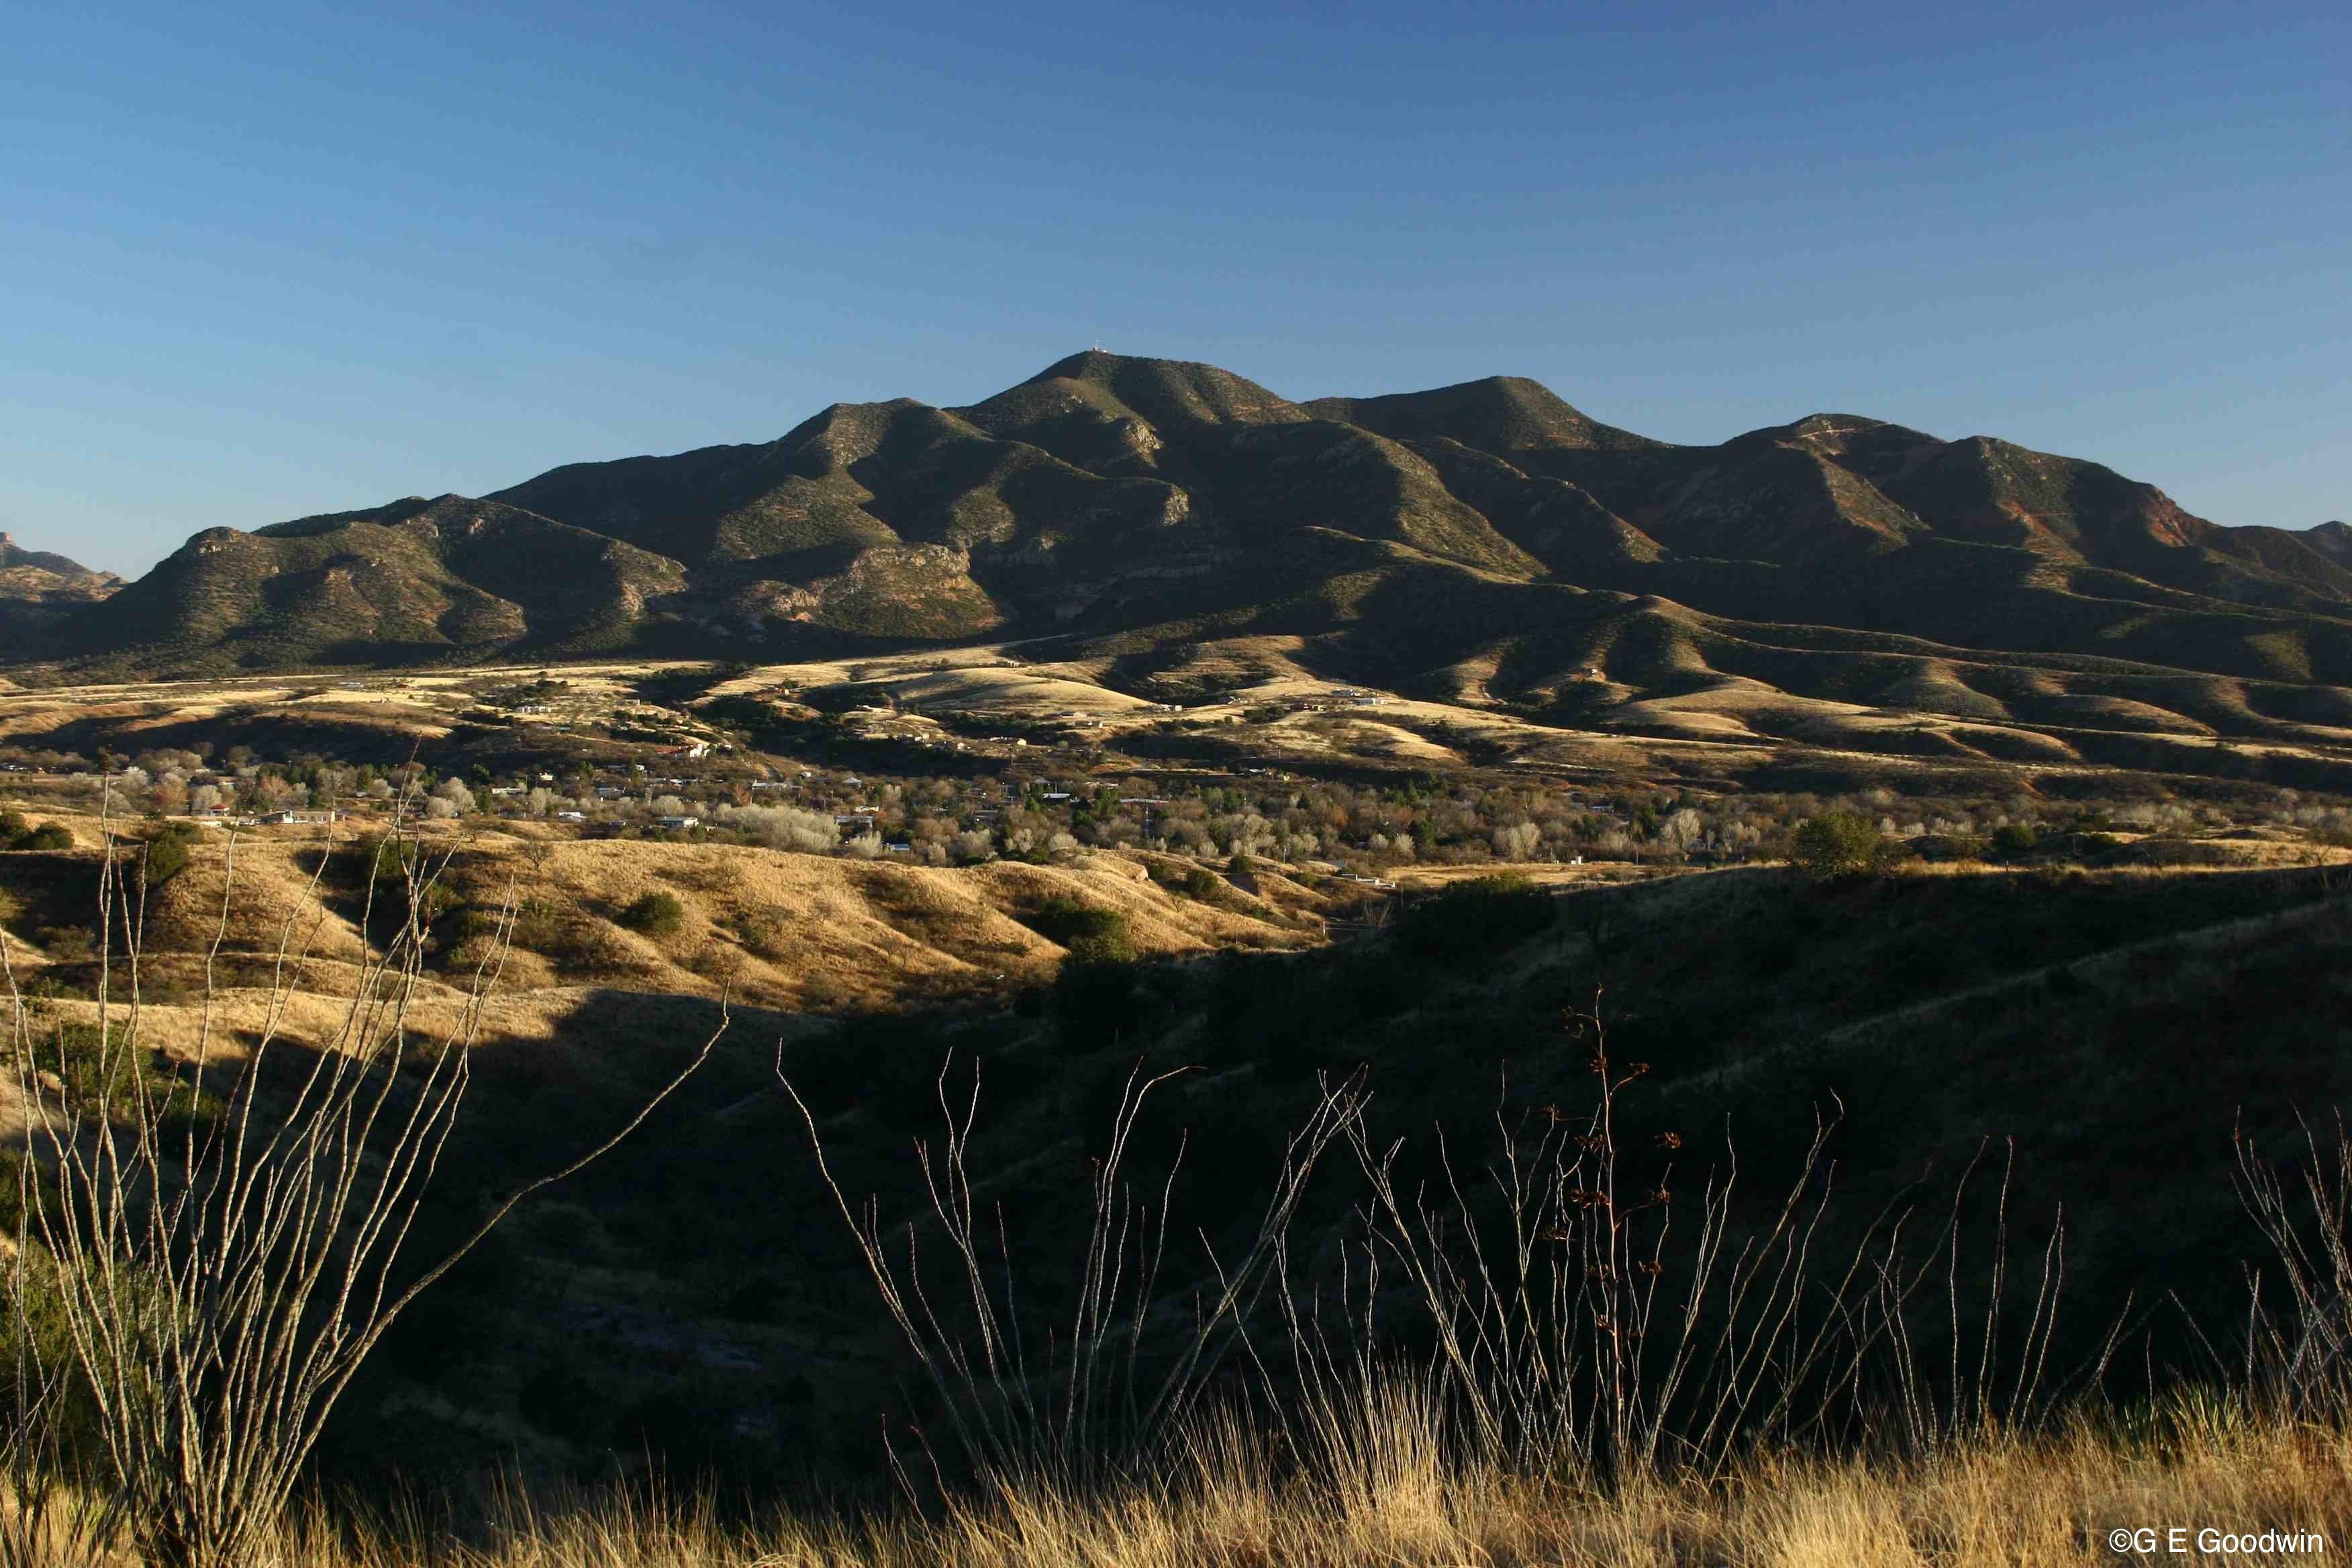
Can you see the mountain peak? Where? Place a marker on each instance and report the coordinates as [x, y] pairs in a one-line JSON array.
[[13, 555], [1173, 391], [1497, 414], [2333, 540]]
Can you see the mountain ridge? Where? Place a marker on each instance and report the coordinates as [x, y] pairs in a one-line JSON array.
[[1122, 497], [39, 590]]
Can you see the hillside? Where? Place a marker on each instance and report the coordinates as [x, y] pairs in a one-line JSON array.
[[37, 589], [704, 1289], [414, 581], [1157, 508]]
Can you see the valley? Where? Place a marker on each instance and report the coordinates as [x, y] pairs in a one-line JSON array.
[[1139, 725]]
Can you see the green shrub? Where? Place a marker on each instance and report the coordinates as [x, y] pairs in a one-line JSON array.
[[1841, 844], [1484, 914], [1192, 882], [48, 836], [13, 827], [90, 1066], [93, 1067], [1092, 935], [167, 854], [2014, 841], [654, 914]]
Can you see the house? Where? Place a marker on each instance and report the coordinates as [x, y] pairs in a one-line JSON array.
[[675, 823], [571, 816], [610, 792], [854, 824]]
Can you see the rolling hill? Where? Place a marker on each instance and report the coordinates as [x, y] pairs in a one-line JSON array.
[[39, 588], [1139, 507]]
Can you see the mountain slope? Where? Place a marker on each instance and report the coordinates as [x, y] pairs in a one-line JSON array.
[[1128, 498], [416, 580], [39, 588], [1502, 414]]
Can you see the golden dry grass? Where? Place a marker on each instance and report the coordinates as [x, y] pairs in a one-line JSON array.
[[792, 930], [1377, 1491]]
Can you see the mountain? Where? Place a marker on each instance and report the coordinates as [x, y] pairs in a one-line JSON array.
[[1502, 415], [15, 558], [39, 588], [1487, 540], [414, 581]]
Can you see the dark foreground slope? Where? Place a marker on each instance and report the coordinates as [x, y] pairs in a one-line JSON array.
[[696, 1297]]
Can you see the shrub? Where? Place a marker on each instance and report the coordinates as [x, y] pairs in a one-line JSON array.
[[167, 854], [654, 914], [1841, 844], [1092, 935], [48, 836], [1942, 847], [2014, 841], [70, 944], [1484, 914]]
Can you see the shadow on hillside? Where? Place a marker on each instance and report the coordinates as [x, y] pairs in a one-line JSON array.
[[696, 1296]]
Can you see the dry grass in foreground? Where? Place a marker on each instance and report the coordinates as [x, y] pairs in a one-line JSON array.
[[1384, 1496]]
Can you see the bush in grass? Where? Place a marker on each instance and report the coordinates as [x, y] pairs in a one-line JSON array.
[[1841, 844], [2014, 841], [1092, 935], [654, 914], [167, 854]]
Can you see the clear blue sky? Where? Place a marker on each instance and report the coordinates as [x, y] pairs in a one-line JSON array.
[[271, 260]]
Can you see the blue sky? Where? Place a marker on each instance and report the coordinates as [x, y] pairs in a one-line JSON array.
[[265, 262]]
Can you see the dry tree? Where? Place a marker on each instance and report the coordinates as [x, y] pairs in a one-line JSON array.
[[225, 1231]]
